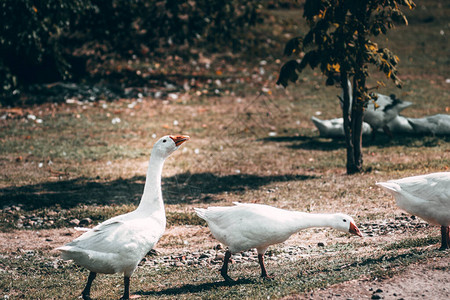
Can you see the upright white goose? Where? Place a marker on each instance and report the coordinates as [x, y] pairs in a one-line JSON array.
[[426, 196], [379, 115], [387, 108], [119, 244], [245, 226]]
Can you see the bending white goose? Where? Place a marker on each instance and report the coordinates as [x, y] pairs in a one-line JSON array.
[[119, 244], [334, 128], [436, 125], [245, 226], [426, 196]]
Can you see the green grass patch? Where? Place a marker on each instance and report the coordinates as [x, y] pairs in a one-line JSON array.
[[34, 276]]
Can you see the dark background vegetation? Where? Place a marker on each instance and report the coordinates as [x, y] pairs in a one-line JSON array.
[[85, 41]]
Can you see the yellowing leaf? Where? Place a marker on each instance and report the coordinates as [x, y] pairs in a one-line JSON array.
[[337, 67], [381, 83], [334, 67]]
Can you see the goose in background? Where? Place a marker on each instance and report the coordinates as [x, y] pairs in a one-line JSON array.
[[400, 125], [426, 196], [387, 108], [435, 125], [334, 128], [380, 112], [245, 226], [117, 245]]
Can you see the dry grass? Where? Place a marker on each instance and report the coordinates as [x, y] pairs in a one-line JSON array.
[[97, 170]]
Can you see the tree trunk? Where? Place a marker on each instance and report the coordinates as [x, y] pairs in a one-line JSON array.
[[357, 124], [353, 120], [348, 128]]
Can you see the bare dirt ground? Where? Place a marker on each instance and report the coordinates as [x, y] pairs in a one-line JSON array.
[[427, 280]]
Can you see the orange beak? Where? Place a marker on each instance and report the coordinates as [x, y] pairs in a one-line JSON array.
[[354, 230], [179, 139]]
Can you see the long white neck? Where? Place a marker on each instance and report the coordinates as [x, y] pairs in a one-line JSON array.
[[152, 200], [302, 220]]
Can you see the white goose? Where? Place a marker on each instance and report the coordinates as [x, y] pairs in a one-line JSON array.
[[119, 244], [401, 125], [379, 115], [245, 226], [386, 109], [334, 128], [436, 125], [426, 196]]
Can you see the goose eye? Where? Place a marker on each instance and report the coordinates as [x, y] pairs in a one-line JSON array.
[[164, 141], [345, 220]]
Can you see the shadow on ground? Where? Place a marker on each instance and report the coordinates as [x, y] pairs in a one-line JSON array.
[[192, 288], [380, 141], [183, 188]]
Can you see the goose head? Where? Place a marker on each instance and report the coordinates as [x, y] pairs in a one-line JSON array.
[[168, 144], [345, 223]]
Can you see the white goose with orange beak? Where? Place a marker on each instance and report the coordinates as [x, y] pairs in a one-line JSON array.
[[246, 226], [119, 244], [426, 196]]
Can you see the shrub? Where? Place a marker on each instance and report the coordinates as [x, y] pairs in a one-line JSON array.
[[40, 38]]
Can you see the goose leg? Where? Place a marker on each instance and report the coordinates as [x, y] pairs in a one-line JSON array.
[[374, 133], [224, 270], [263, 267], [445, 234], [86, 293], [388, 132], [126, 288]]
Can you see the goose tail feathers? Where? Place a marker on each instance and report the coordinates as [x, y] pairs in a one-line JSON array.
[[201, 212], [391, 187], [84, 229], [66, 252]]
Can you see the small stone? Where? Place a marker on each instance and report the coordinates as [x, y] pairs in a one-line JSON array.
[[321, 244], [379, 291], [219, 256], [377, 296], [205, 255], [75, 222], [85, 221], [152, 252], [48, 240], [246, 254]]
